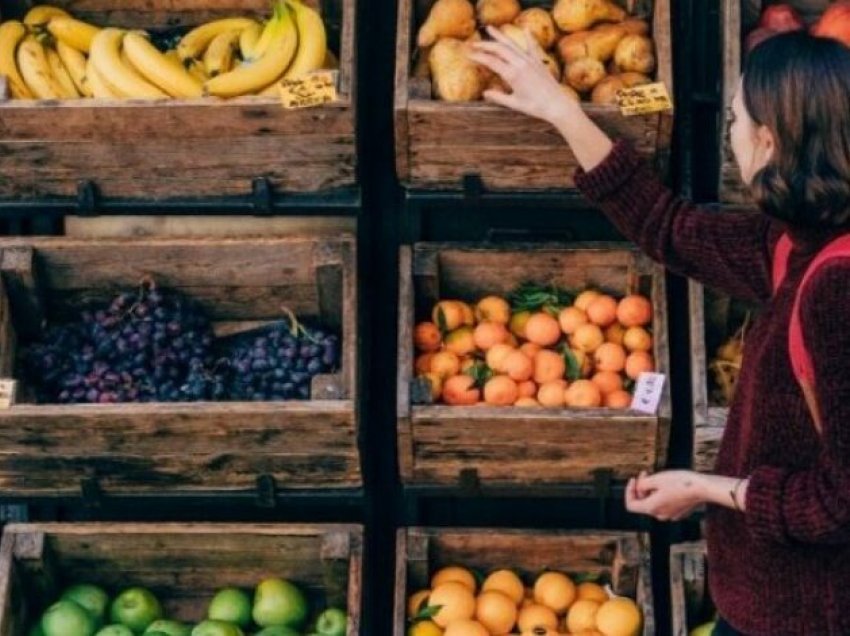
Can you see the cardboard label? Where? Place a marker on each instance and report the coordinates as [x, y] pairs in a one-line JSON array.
[[644, 100], [8, 388], [647, 396], [313, 89]]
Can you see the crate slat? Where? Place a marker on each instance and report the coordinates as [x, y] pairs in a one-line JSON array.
[[688, 586]]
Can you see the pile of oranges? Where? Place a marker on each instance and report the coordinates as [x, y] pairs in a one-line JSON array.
[[555, 605], [584, 355]]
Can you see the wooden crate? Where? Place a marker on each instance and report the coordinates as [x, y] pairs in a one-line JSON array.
[[619, 558], [169, 149], [183, 564], [737, 18], [689, 599], [438, 144], [154, 448], [441, 445]]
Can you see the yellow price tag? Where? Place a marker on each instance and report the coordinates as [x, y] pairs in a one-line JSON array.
[[643, 100], [313, 89]]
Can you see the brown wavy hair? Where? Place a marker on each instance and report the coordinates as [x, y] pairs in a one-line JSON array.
[[799, 87]]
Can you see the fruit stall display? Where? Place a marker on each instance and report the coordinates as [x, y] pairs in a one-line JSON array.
[[718, 331], [744, 24], [453, 582], [180, 580], [506, 375], [170, 100], [693, 612], [183, 366], [444, 132]]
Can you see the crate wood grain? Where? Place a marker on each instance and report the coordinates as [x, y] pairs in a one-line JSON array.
[[440, 143], [438, 445], [619, 558], [169, 149], [182, 564], [51, 449], [690, 603], [737, 19]]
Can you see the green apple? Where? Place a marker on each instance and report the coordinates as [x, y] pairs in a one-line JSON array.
[[168, 628], [278, 630], [66, 618], [279, 602], [136, 608], [115, 630], [332, 622], [231, 605], [90, 597], [706, 629], [217, 628]]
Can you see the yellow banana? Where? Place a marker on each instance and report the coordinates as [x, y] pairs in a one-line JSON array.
[[248, 40], [99, 88], [312, 40], [75, 33], [41, 14], [106, 55], [11, 34], [193, 67], [254, 76], [32, 62], [69, 90], [218, 57], [168, 74], [267, 36], [75, 63], [195, 42]]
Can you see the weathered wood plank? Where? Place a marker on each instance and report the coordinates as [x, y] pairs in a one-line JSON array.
[[688, 586], [8, 338], [23, 287]]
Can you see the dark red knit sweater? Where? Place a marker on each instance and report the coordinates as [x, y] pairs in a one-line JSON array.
[[783, 568]]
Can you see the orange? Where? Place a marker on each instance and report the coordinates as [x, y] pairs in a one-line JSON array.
[[548, 366], [542, 329], [489, 334], [423, 363], [506, 582], [584, 299], [583, 394], [608, 357], [455, 600], [466, 363], [416, 602], [536, 615], [501, 391], [552, 394], [468, 314], [602, 311], [426, 337], [496, 611], [497, 355], [592, 592], [518, 322], [512, 340], [618, 400], [527, 388], [493, 309], [637, 339], [518, 366], [619, 617], [456, 574], [530, 349], [582, 616], [634, 311], [460, 390], [637, 363], [461, 341], [555, 590], [445, 364], [466, 628], [607, 381], [448, 315], [424, 628], [615, 333], [526, 402], [570, 319], [587, 338], [436, 382]]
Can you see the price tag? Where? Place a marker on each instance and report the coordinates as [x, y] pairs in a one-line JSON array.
[[8, 389], [643, 100], [313, 89], [648, 391]]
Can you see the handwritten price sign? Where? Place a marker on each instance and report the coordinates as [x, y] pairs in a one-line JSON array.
[[310, 90], [644, 100], [647, 395]]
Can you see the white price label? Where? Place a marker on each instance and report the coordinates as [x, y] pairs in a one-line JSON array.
[[647, 395]]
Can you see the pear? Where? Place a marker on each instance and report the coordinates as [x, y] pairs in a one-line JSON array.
[[600, 44], [580, 15], [540, 24], [635, 53], [584, 74], [497, 12], [448, 18], [456, 78]]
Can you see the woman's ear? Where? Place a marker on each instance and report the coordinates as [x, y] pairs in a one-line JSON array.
[[765, 143]]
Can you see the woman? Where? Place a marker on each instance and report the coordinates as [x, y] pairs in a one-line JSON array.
[[779, 506]]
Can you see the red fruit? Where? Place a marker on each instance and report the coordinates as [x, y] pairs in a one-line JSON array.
[[756, 37], [781, 18], [835, 22]]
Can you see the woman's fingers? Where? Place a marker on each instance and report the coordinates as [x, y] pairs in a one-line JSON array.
[[495, 64], [503, 99], [507, 55], [500, 37]]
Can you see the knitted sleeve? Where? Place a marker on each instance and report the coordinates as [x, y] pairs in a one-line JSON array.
[[813, 505], [726, 251]]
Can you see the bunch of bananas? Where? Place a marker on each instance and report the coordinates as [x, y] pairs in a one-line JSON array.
[[51, 55]]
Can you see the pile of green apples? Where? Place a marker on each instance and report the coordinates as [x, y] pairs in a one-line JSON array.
[[278, 608]]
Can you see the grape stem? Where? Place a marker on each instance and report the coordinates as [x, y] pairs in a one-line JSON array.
[[296, 329]]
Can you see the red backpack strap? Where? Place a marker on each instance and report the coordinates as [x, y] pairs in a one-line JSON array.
[[781, 256]]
